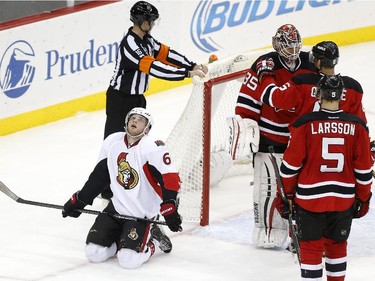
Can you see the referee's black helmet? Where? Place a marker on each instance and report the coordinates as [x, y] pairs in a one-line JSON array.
[[143, 11]]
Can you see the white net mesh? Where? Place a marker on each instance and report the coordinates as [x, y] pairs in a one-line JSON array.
[[187, 138]]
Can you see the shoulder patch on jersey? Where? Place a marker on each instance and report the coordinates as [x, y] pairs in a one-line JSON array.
[[159, 143]]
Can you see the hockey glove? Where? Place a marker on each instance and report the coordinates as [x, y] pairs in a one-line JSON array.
[[197, 72], [265, 67], [71, 207], [284, 207], [201, 67], [361, 208], [168, 210], [372, 149]]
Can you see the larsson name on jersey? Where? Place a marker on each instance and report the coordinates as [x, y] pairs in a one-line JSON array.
[[333, 128]]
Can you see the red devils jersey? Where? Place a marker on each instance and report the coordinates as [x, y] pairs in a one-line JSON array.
[[327, 162], [273, 122], [299, 95]]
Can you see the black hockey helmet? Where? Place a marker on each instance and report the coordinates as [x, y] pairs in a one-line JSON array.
[[330, 87], [327, 52], [143, 11]]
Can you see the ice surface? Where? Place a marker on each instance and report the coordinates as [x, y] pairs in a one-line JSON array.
[[50, 162]]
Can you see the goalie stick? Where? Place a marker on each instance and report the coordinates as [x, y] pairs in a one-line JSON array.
[[292, 227], [12, 195]]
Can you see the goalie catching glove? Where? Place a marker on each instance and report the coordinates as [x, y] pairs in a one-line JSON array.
[[243, 137], [168, 210]]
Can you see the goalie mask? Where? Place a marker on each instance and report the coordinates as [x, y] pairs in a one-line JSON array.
[[287, 42], [330, 87], [327, 52], [142, 112], [143, 11]]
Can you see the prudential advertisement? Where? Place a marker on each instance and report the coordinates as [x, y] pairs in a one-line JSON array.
[[62, 59]]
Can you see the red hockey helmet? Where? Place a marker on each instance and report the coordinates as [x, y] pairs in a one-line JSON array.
[[287, 42]]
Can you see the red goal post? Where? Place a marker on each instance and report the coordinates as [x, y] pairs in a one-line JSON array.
[[193, 144]]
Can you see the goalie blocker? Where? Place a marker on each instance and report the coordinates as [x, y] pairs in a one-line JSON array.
[[270, 230]]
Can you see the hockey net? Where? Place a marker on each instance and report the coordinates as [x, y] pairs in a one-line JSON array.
[[202, 131]]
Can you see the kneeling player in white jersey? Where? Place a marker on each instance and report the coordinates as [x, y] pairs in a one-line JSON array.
[[144, 183]]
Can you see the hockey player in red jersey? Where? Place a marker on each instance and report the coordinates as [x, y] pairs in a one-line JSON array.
[[144, 183], [257, 126], [299, 93], [327, 170]]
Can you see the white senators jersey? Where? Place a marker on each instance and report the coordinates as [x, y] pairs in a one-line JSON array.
[[138, 173]]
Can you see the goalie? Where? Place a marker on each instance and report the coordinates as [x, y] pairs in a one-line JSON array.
[[257, 126]]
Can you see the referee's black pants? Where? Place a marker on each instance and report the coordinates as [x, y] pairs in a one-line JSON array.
[[118, 105]]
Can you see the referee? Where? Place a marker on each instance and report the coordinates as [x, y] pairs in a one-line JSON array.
[[138, 57]]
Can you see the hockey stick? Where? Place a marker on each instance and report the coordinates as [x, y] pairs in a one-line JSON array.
[[12, 195], [283, 197]]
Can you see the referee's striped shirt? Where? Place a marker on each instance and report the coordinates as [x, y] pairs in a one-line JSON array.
[[138, 58]]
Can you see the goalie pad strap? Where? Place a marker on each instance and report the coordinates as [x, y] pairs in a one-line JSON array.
[[234, 134]]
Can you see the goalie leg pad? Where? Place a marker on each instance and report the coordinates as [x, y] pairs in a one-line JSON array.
[[270, 230]]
